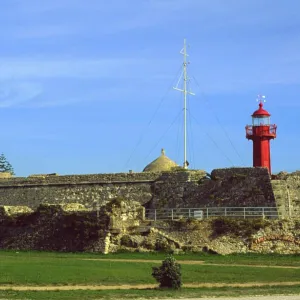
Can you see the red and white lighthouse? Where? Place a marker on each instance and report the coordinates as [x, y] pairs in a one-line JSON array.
[[261, 132]]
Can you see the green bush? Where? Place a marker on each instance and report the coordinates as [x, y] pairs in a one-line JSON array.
[[238, 227], [225, 226], [162, 244], [148, 244], [127, 241], [168, 274], [185, 224]]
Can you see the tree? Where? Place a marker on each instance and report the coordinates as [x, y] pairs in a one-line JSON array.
[[5, 166], [168, 274]]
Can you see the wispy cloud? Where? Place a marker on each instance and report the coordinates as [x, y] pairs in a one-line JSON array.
[[229, 57], [56, 18], [71, 68], [14, 93]]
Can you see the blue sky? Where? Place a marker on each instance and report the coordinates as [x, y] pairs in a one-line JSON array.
[[86, 86]]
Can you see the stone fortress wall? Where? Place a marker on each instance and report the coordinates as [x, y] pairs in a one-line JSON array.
[[232, 187], [103, 212], [286, 188], [84, 189]]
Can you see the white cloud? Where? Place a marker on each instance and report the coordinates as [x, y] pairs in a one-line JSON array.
[[233, 66]]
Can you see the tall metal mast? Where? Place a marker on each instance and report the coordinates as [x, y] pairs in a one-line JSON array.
[[185, 92]]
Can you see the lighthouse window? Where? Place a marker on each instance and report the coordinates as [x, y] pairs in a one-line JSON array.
[[260, 121]]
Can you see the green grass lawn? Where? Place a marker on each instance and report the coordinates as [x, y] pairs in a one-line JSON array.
[[249, 259], [38, 268], [50, 268], [242, 259]]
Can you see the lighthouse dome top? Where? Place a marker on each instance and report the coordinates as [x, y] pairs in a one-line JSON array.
[[261, 112]]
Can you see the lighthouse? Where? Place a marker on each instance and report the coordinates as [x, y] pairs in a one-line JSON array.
[[261, 132]]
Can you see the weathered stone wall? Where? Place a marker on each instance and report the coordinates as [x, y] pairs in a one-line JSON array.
[[88, 194], [193, 188], [84, 189], [89, 190], [53, 227], [293, 194], [287, 194], [119, 224], [227, 187], [230, 172], [78, 179]]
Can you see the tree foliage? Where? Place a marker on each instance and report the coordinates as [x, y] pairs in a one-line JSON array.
[[5, 166], [168, 274]]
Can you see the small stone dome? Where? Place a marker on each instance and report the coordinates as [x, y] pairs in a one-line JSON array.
[[162, 163]]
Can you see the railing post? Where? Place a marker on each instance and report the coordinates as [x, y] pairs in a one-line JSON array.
[[263, 212], [172, 213], [189, 212], [154, 214], [225, 211], [244, 212], [207, 212]]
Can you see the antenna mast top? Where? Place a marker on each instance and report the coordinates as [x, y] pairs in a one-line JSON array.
[[185, 92], [261, 98]]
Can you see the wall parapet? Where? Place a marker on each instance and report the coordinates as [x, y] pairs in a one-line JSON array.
[[109, 178], [249, 172], [18, 185]]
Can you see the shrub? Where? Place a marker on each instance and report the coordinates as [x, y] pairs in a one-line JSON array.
[[148, 244], [168, 274], [237, 227], [225, 226], [185, 224], [162, 244], [127, 241]]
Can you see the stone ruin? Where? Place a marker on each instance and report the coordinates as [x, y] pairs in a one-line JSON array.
[[106, 212], [121, 225]]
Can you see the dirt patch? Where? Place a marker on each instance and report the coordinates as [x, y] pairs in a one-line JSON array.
[[191, 262], [139, 286], [156, 261]]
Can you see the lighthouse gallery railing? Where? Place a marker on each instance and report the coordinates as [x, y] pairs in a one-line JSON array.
[[270, 129], [208, 212]]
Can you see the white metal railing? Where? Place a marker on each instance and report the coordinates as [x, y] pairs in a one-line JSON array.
[[208, 212]]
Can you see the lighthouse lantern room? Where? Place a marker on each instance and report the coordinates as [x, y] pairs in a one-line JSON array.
[[261, 132]]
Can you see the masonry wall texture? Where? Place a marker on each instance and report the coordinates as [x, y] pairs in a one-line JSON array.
[[193, 188], [232, 187], [29, 223], [286, 188], [120, 225], [89, 190]]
